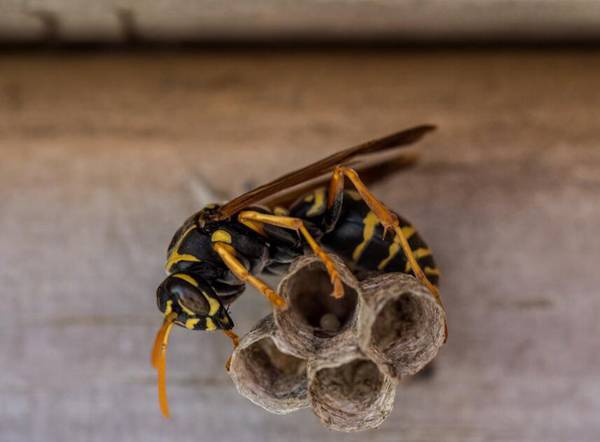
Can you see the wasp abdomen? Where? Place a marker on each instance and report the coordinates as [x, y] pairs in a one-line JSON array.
[[358, 236]]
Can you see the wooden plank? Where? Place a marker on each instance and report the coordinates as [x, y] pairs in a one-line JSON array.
[[102, 156], [126, 21]]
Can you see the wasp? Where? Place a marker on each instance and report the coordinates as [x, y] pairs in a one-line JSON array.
[[221, 248]]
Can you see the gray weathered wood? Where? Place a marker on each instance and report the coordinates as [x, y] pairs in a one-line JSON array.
[[102, 156], [306, 20]]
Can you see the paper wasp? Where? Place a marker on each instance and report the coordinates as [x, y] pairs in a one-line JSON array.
[[222, 247]]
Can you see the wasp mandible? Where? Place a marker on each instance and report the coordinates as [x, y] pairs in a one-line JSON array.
[[220, 249]]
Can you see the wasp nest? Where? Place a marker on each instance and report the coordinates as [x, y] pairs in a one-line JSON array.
[[342, 357]]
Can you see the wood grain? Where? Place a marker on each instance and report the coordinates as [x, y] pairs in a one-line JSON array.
[[129, 21], [102, 156]]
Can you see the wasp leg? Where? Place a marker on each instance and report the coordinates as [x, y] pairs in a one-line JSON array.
[[235, 340], [227, 254], [297, 224], [387, 218]]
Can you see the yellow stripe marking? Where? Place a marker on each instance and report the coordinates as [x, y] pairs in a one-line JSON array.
[[395, 246], [419, 253], [422, 252], [319, 203], [214, 304], [393, 251], [432, 271], [408, 231], [370, 222], [186, 278], [210, 325], [221, 236], [190, 323], [176, 257]]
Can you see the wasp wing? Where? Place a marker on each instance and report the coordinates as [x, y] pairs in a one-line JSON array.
[[370, 173], [319, 168]]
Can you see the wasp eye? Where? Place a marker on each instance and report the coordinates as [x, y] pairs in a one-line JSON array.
[[191, 298], [180, 294]]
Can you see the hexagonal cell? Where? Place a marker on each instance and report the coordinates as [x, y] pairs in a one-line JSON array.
[[398, 322], [401, 326], [315, 321], [312, 304], [350, 394], [266, 375]]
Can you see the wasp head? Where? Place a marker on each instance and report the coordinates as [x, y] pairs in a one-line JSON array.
[[192, 303], [189, 302]]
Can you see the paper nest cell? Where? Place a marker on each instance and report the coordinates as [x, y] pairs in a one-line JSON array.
[[343, 358]]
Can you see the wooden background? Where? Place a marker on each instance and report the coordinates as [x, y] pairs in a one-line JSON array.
[[103, 155], [132, 21]]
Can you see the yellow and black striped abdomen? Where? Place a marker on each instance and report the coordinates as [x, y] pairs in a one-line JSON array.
[[358, 237]]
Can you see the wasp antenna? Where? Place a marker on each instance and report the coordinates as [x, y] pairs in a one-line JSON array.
[[159, 361]]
